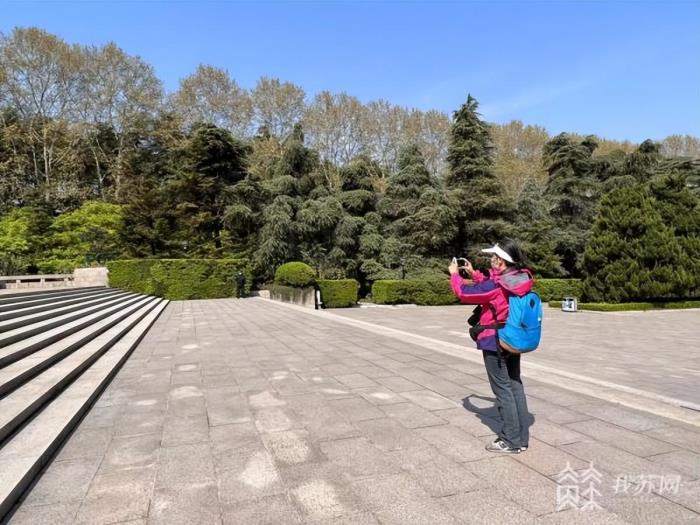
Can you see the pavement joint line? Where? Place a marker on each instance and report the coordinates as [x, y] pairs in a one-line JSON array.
[[657, 404]]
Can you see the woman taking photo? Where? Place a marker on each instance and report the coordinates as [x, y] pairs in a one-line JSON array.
[[507, 276]]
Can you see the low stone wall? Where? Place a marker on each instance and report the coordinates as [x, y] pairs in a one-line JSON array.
[[84, 277], [16, 282], [80, 278], [305, 297]]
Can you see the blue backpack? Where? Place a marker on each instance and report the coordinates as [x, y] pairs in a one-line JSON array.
[[522, 330]]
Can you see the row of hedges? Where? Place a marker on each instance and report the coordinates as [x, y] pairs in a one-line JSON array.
[[413, 291], [627, 307], [557, 289], [438, 291], [179, 279]]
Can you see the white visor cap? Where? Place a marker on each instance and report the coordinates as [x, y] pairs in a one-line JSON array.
[[497, 250]]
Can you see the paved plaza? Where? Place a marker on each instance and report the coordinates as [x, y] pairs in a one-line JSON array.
[[249, 411], [657, 352]]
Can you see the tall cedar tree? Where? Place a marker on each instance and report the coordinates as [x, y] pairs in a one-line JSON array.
[[423, 216], [358, 199], [536, 231], [292, 181], [212, 162], [573, 196], [483, 205], [149, 218]]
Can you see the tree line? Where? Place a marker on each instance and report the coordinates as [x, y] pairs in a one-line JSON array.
[[97, 162]]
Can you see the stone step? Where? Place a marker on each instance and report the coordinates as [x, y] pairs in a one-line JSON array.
[[18, 322], [17, 373], [19, 405], [30, 295], [16, 351], [23, 332], [23, 457], [34, 299], [13, 310]]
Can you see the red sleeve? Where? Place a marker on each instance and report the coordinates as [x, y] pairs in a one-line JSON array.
[[482, 292]]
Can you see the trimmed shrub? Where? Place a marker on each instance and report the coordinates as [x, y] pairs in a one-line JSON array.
[[296, 274], [429, 292], [557, 289], [179, 279], [339, 293]]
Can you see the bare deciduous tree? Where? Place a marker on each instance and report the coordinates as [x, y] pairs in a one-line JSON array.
[[278, 105], [211, 95]]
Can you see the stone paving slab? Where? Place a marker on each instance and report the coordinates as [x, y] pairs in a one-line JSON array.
[[627, 348], [247, 411]]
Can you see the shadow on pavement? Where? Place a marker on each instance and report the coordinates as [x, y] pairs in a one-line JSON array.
[[489, 415]]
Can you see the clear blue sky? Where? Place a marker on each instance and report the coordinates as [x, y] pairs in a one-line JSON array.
[[619, 69]]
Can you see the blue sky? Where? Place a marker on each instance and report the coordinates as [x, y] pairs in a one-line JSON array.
[[618, 69]]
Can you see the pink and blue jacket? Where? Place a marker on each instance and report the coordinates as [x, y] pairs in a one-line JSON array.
[[492, 291]]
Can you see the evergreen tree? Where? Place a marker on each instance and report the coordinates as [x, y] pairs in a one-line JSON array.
[[484, 207], [535, 229], [632, 255], [357, 197], [244, 215], [212, 162], [149, 216], [356, 189], [573, 196], [643, 163], [424, 219], [679, 208], [293, 179]]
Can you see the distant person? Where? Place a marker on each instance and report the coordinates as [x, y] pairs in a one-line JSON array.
[[507, 276], [240, 285]]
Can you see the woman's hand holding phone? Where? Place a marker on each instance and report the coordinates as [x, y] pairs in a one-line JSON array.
[[453, 267]]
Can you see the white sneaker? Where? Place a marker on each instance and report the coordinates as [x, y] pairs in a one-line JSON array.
[[502, 447]]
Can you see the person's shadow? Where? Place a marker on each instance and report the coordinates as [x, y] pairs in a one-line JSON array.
[[489, 415]]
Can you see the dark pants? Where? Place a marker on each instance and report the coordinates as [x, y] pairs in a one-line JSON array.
[[510, 397]]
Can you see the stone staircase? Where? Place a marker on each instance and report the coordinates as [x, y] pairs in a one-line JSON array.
[[58, 351]]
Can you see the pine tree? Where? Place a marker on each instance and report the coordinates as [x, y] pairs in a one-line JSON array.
[[149, 216], [293, 179], [211, 163], [632, 255], [679, 208], [484, 207], [573, 196], [535, 229], [424, 217]]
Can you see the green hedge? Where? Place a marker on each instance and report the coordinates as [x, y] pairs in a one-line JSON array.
[[557, 289], [178, 279], [627, 307], [431, 292], [338, 293], [438, 291], [297, 274]]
